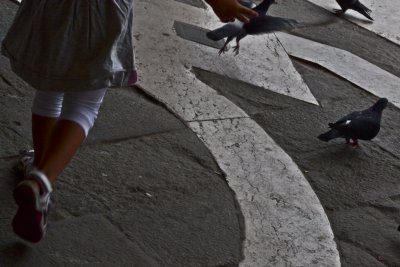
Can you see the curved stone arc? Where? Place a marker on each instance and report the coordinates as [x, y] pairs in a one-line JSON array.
[[386, 15], [345, 64], [285, 223]]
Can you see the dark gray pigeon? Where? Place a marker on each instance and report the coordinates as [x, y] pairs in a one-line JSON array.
[[363, 125], [355, 5], [257, 25]]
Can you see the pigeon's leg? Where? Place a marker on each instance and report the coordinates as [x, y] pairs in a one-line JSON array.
[[355, 143], [236, 48], [224, 49], [348, 141]]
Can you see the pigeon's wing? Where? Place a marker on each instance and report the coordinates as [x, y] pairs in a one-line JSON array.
[[351, 116], [266, 24], [228, 30], [247, 3], [344, 124]]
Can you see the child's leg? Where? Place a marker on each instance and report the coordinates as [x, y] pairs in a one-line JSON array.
[[57, 140], [77, 117], [46, 109]]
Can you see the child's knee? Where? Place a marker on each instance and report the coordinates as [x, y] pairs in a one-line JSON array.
[[83, 108]]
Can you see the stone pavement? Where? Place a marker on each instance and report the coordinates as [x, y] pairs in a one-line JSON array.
[[206, 163]]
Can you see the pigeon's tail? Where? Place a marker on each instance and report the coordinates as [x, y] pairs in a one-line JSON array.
[[217, 34], [363, 10], [329, 135]]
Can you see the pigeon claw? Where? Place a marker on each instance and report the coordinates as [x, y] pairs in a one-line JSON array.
[[236, 50], [223, 50]]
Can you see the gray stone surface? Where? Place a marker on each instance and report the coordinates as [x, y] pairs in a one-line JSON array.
[[352, 184]]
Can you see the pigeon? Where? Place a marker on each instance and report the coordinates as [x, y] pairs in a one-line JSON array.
[[363, 125], [257, 25], [355, 5]]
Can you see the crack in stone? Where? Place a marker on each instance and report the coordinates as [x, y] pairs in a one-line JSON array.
[[124, 139]]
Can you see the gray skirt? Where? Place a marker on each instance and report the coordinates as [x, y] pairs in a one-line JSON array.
[[72, 45]]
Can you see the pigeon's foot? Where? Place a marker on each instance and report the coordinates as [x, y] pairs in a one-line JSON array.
[[353, 144], [236, 50], [338, 11], [224, 49]]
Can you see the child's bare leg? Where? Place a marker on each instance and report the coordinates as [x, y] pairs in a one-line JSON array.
[[42, 128], [77, 117], [45, 112], [66, 138]]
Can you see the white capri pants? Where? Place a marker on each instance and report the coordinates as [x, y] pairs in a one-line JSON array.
[[79, 107]]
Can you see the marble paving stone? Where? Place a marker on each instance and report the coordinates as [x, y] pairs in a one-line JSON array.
[[164, 61], [345, 64], [285, 222], [386, 15]]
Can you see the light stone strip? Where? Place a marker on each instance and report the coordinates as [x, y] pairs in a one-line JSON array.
[[285, 223], [345, 64], [386, 15]]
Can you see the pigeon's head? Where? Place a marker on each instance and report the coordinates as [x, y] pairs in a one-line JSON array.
[[380, 104]]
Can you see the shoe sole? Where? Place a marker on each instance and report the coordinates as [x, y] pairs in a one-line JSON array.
[[27, 223]]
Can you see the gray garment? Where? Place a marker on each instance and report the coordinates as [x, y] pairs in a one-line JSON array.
[[72, 45]]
